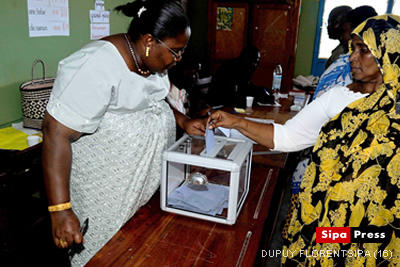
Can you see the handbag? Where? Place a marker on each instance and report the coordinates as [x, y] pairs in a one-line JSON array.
[[35, 95]]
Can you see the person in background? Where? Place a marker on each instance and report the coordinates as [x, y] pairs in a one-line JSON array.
[[339, 72], [107, 124], [231, 83], [184, 96], [336, 31], [183, 78], [353, 176]]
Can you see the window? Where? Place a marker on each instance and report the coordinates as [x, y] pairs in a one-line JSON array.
[[324, 45], [396, 7]]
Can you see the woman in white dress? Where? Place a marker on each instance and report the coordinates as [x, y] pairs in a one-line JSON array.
[[107, 124]]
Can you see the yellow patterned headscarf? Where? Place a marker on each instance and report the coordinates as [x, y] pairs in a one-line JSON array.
[[353, 178], [382, 36]]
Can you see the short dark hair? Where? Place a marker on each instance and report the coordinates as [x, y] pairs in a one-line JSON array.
[[359, 14], [160, 18], [250, 51], [337, 17], [339, 14]]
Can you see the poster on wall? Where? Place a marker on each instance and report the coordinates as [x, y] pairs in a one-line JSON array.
[[99, 21], [224, 18], [48, 18], [99, 30], [99, 5]]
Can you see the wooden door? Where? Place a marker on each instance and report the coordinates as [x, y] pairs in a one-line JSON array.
[[274, 31], [271, 26]]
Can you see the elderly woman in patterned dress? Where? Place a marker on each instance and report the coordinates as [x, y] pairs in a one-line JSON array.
[[353, 178]]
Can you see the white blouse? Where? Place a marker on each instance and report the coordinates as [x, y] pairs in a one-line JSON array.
[[96, 80], [303, 130]]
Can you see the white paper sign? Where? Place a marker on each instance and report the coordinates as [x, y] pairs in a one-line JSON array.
[[39, 2], [98, 16], [99, 5], [98, 31], [60, 3], [48, 17]]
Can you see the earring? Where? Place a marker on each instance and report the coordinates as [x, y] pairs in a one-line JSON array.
[[147, 51]]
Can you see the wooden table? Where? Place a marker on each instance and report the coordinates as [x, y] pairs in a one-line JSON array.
[[280, 114], [157, 238], [153, 237]]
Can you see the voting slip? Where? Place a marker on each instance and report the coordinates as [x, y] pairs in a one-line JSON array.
[[210, 140]]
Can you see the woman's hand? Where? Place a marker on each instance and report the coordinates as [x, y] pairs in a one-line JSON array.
[[194, 126], [66, 228], [261, 133], [56, 161], [222, 119]]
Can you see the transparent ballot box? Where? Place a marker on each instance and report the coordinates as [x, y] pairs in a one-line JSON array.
[[211, 186]]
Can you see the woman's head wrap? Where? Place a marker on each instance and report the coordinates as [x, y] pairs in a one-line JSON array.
[[382, 36]]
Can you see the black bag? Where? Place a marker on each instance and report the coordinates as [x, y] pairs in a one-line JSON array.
[[35, 95]]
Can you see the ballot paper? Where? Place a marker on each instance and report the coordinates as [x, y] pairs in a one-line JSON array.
[[210, 199], [210, 139]]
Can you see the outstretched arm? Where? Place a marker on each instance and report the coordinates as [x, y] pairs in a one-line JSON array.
[[259, 132]]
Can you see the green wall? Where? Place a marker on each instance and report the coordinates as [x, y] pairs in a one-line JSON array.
[[306, 38], [18, 50]]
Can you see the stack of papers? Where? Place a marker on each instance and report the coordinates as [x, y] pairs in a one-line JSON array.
[[209, 199]]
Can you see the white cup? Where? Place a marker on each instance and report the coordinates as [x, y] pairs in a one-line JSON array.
[[33, 140], [249, 101]]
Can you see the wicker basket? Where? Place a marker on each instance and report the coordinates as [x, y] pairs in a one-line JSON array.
[[35, 95]]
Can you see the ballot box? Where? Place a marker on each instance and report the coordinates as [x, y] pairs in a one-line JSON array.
[[206, 184]]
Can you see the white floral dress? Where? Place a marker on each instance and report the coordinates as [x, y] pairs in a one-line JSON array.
[[127, 125]]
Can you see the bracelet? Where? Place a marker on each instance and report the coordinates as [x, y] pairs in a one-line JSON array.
[[60, 207]]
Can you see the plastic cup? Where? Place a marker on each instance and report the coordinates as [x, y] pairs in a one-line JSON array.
[[249, 101]]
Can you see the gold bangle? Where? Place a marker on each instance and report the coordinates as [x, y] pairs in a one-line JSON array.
[[60, 207]]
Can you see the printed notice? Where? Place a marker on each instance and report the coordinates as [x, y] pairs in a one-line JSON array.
[[99, 16], [98, 31], [99, 21], [99, 5], [48, 18]]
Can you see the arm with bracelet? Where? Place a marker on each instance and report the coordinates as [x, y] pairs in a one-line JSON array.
[[57, 158]]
